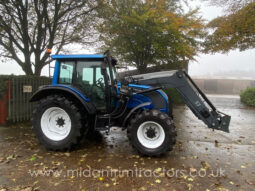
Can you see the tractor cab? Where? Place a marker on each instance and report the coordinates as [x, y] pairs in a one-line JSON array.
[[92, 75]]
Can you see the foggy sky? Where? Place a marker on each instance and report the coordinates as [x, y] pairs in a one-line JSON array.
[[210, 65], [206, 65]]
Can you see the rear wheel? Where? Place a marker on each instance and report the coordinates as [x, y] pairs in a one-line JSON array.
[[152, 133], [57, 123]]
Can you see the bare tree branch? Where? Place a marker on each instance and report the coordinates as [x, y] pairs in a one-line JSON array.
[[28, 28]]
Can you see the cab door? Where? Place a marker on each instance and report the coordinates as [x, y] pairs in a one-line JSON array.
[[92, 82]]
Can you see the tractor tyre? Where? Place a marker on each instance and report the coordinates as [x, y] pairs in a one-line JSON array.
[[152, 133], [57, 123]]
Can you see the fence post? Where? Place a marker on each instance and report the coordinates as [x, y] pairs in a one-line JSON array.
[[9, 98]]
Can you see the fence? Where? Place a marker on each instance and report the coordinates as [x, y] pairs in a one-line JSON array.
[[18, 92]]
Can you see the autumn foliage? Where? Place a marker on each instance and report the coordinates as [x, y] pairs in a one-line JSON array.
[[150, 33], [234, 31]]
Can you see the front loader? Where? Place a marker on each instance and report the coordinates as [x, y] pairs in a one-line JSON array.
[[86, 96]]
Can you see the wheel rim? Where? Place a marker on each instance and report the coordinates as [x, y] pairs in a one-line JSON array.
[[151, 134], [55, 124]]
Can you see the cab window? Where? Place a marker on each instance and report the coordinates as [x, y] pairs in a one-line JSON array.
[[66, 73]]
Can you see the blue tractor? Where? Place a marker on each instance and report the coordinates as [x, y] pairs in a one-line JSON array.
[[86, 95]]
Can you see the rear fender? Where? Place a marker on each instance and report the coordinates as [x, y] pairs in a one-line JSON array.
[[67, 91]]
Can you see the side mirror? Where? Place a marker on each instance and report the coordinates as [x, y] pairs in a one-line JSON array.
[[103, 69], [64, 67]]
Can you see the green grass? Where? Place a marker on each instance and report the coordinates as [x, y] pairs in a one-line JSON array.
[[248, 96]]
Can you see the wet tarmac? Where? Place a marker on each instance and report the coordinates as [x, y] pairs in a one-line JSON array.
[[201, 160]]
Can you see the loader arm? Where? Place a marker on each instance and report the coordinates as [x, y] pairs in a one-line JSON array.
[[194, 98]]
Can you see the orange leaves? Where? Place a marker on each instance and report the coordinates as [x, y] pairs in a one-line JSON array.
[[234, 31]]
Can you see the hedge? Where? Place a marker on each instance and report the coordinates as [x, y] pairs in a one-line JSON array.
[[174, 95], [248, 96]]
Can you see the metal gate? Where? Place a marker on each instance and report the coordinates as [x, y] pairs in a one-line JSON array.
[[19, 92]]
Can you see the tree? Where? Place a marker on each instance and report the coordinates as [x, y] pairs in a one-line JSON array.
[[150, 33], [231, 5], [236, 30], [28, 28]]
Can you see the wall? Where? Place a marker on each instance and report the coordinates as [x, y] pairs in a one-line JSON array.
[[224, 86]]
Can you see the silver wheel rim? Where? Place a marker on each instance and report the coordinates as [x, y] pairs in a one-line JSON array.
[[55, 124], [151, 134]]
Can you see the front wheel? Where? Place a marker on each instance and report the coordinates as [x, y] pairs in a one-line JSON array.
[[57, 123], [152, 133]]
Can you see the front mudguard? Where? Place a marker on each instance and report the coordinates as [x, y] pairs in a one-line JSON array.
[[146, 105]]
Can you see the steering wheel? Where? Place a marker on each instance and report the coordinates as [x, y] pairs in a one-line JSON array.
[[98, 86], [99, 83]]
